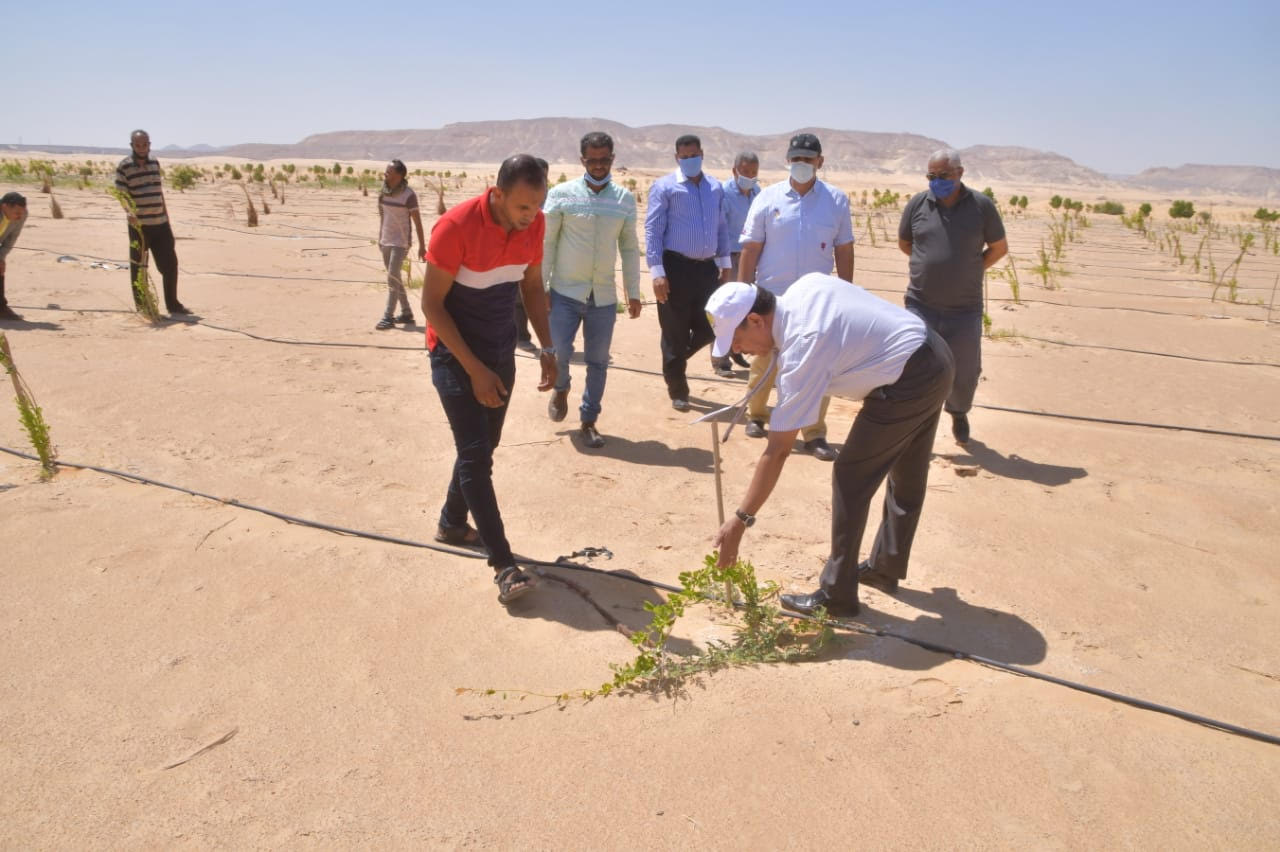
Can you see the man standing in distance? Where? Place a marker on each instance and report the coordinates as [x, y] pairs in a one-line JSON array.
[[139, 178], [589, 223], [13, 215], [483, 255], [794, 227], [687, 248], [953, 236], [739, 191], [832, 337]]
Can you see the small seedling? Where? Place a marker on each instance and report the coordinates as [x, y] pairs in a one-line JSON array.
[[253, 213], [29, 414], [144, 293]]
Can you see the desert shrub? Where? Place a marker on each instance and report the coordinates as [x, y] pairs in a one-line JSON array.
[[183, 177], [337, 168], [11, 171], [235, 174], [1182, 210], [1022, 203], [1055, 202], [1111, 208], [1265, 215], [290, 168], [989, 193], [1145, 210]]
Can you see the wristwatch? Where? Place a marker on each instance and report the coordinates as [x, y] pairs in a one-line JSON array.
[[747, 520]]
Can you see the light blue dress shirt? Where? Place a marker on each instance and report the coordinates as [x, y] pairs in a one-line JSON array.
[[736, 206], [688, 218], [799, 232]]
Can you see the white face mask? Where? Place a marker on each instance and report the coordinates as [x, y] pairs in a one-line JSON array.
[[802, 172]]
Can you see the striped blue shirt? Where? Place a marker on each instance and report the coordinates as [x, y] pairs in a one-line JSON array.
[[736, 206], [688, 218]]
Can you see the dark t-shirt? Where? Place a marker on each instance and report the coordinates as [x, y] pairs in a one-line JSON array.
[[946, 248], [487, 264]]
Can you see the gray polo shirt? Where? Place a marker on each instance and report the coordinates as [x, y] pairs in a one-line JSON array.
[[946, 248], [834, 338]]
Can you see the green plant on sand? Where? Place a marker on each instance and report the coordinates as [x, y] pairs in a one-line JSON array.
[[762, 634], [144, 293], [30, 415]]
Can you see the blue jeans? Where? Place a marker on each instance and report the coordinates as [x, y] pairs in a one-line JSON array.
[[476, 432], [597, 335], [962, 330]]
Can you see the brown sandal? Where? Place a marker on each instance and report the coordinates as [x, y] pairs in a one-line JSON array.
[[512, 583], [463, 536]]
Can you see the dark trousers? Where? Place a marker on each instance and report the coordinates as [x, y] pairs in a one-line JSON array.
[[522, 321], [476, 432], [159, 243], [683, 317], [892, 436], [3, 303], [962, 330]]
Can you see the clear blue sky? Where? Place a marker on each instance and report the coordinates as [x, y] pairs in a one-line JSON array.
[[1116, 86]]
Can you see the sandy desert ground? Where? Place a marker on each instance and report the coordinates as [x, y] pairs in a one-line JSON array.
[[141, 625]]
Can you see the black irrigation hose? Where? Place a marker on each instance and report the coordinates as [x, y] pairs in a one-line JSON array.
[[330, 343], [1138, 423], [563, 562], [1145, 352], [1169, 426]]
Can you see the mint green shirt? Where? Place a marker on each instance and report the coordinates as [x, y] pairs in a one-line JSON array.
[[586, 231]]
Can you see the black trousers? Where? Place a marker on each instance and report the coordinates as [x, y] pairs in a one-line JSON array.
[[683, 317], [892, 436], [159, 243]]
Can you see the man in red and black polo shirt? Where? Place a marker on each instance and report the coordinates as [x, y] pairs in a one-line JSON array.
[[483, 255]]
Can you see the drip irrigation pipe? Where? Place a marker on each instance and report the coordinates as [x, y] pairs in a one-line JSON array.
[[565, 563], [1169, 426], [1146, 352]]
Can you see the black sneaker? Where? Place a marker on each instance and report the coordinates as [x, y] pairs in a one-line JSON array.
[[558, 405], [680, 404], [591, 437], [755, 429], [7, 314], [821, 450], [385, 323], [406, 318]]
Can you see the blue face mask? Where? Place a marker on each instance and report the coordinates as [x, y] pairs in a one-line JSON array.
[[691, 166], [595, 182], [941, 187], [746, 184]]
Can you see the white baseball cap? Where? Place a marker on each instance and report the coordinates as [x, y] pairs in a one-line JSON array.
[[726, 309]]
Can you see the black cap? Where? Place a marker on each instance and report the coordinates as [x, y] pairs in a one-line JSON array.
[[804, 145], [14, 198]]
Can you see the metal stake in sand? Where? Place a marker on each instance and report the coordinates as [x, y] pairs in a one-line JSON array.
[[732, 414]]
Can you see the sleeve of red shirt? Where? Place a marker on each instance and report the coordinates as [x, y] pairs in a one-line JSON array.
[[444, 248], [538, 232]]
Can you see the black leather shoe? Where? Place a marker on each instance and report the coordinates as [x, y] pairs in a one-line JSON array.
[[960, 428], [820, 449], [590, 436], [883, 582], [806, 604], [558, 405], [680, 404], [179, 311], [755, 429]]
